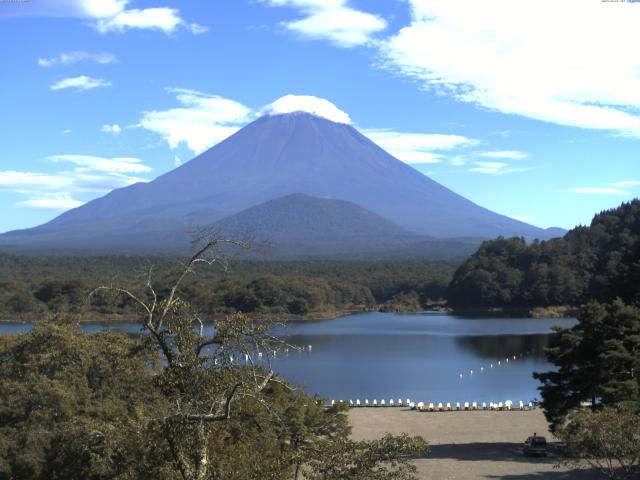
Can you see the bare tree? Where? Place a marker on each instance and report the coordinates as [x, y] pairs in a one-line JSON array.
[[208, 365]]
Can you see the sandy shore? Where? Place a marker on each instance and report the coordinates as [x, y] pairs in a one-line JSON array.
[[469, 445]]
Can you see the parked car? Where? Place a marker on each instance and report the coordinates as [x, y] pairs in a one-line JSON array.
[[535, 445]]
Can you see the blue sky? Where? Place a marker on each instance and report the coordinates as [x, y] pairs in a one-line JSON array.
[[531, 109]]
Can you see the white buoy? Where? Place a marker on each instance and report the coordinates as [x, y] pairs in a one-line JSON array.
[[310, 347], [470, 372], [481, 369], [507, 360], [461, 376], [259, 354], [492, 365], [498, 362]]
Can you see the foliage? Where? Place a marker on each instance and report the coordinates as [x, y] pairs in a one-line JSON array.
[[31, 287], [598, 360], [598, 262], [608, 439], [174, 402]]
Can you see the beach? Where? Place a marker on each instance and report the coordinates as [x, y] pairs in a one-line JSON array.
[[469, 444]]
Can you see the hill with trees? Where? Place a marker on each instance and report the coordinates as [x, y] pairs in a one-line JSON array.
[[597, 262]]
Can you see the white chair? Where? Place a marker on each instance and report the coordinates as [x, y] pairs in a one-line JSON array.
[[521, 405], [440, 407], [474, 406], [500, 406], [484, 405], [408, 402], [457, 405], [375, 402], [508, 404], [358, 403], [412, 405], [466, 405], [333, 402], [383, 403], [366, 402], [530, 406], [420, 406], [448, 406], [400, 402], [391, 404]]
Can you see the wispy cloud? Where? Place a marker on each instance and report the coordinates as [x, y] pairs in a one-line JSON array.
[[112, 15], [202, 121], [332, 20], [496, 168], [626, 184], [505, 154], [600, 191], [494, 54], [69, 58], [90, 176], [80, 83], [86, 163], [417, 148], [53, 202], [111, 128]]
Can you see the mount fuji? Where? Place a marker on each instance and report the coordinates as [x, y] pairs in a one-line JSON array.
[[278, 155]]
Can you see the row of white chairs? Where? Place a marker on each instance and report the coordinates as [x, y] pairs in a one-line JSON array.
[[508, 405], [374, 403], [439, 407]]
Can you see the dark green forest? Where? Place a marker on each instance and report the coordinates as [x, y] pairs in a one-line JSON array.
[[599, 262], [33, 287]]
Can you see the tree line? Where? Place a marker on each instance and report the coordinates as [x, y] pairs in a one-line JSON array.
[[33, 287], [599, 262]]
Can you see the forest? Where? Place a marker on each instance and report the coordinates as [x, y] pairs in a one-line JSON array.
[[597, 262], [33, 287]]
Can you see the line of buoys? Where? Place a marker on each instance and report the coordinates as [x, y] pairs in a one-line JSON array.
[[491, 365]]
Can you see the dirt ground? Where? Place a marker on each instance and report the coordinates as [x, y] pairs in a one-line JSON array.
[[469, 445]]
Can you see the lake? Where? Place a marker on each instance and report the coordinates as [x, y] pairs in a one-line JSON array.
[[417, 356]]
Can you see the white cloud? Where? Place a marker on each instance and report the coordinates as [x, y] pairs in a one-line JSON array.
[[90, 176], [626, 184], [100, 164], [53, 202], [114, 128], [109, 15], [306, 103], [80, 83], [600, 191], [505, 154], [67, 131], [69, 58], [552, 61], [493, 168], [202, 121], [417, 148], [332, 20]]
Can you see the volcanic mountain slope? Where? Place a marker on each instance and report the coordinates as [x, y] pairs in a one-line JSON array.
[[274, 156]]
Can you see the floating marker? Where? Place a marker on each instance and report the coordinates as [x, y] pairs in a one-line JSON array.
[[481, 369], [460, 375], [492, 365], [470, 372]]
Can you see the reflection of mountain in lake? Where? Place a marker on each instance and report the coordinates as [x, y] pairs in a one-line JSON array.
[[501, 346]]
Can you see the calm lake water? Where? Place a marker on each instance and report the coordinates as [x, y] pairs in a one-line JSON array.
[[417, 356]]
